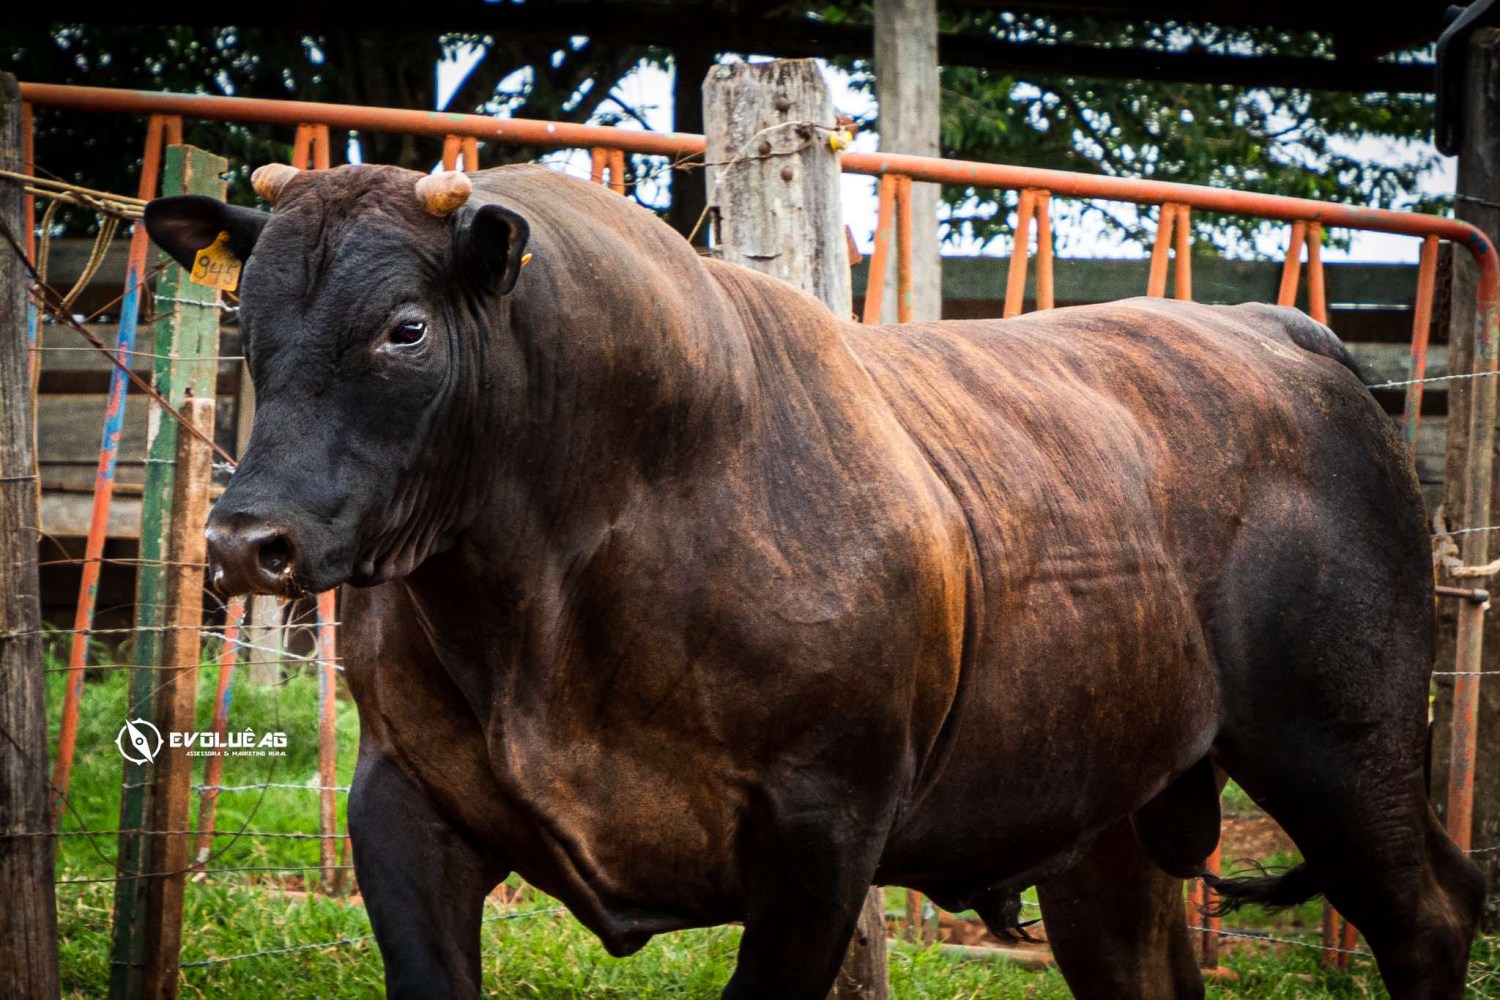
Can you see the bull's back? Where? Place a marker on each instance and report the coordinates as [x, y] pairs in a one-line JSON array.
[[1105, 458]]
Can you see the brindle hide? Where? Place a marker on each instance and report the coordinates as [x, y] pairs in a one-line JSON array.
[[692, 603]]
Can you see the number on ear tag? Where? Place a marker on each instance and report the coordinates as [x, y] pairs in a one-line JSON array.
[[216, 266]]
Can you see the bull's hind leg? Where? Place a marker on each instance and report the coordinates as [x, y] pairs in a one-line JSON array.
[[1116, 926], [1323, 638]]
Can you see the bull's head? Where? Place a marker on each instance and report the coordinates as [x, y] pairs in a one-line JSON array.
[[364, 292]]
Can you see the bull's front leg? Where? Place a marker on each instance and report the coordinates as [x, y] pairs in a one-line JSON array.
[[806, 891], [424, 886]]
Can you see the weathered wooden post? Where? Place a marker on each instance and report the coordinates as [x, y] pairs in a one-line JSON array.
[[28, 911], [187, 349], [177, 700], [1477, 197], [773, 179], [773, 191]]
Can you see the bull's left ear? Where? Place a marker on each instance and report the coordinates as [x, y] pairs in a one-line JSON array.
[[186, 223], [490, 243]]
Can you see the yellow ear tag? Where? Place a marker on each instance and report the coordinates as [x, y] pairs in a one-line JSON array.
[[216, 266], [525, 259]]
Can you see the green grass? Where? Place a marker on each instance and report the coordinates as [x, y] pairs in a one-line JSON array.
[[544, 955]]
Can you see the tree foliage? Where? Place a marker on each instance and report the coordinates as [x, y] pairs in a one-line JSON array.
[[1324, 144], [384, 68], [1314, 144]]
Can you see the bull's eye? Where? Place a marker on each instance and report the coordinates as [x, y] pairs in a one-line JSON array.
[[409, 333]]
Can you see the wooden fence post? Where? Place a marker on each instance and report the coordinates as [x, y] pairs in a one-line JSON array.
[[1478, 196], [187, 349], [177, 700], [28, 911], [773, 184], [773, 180]]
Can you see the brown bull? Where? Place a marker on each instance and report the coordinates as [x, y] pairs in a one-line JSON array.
[[693, 603]]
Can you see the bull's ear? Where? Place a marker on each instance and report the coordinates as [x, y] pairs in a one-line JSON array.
[[186, 223], [490, 243]]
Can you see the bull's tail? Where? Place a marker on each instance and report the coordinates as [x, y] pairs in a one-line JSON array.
[[1292, 887]]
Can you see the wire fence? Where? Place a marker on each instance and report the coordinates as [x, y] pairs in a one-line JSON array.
[[156, 294]]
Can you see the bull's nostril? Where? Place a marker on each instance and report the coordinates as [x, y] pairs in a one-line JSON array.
[[275, 555]]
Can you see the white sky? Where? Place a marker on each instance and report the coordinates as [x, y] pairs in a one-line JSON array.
[[647, 91]]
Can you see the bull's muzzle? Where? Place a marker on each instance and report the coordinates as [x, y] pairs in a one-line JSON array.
[[251, 557]]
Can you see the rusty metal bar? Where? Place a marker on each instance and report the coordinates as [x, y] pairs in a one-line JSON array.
[[1348, 939], [1184, 262], [564, 135], [322, 155], [104, 476], [302, 147], [213, 771], [1015, 285], [885, 222], [327, 736], [617, 171], [903, 250], [471, 153], [1156, 281], [1474, 594], [1317, 295], [1421, 328], [451, 145], [1208, 952], [1291, 271], [1044, 288], [598, 160]]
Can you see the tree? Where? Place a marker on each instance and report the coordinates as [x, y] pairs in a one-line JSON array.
[[527, 77], [1279, 141], [1313, 144]]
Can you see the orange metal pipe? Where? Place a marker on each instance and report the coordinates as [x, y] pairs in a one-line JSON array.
[[564, 135], [1421, 328], [322, 154], [1184, 289], [885, 221], [598, 159], [1156, 282], [302, 147], [1348, 938], [450, 152], [1044, 296], [104, 479], [903, 250], [1209, 952], [1015, 284], [471, 153], [1317, 296], [1291, 271], [213, 772], [617, 171], [327, 735]]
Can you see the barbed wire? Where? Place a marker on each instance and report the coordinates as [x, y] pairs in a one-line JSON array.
[[271, 784], [356, 939], [1432, 378], [195, 871]]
